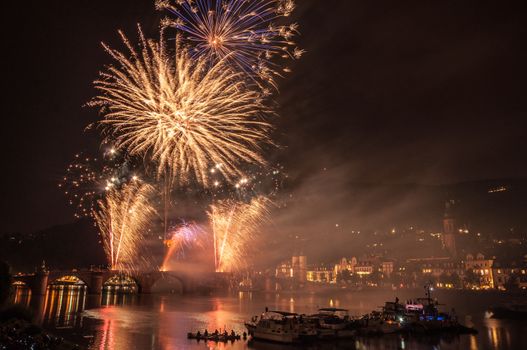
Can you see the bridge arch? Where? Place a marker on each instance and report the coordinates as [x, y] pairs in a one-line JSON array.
[[71, 278], [21, 292], [168, 283], [20, 283], [121, 282], [36, 283]]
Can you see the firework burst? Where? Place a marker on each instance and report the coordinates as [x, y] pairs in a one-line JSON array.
[[181, 113], [123, 216], [234, 225], [182, 237], [243, 32]]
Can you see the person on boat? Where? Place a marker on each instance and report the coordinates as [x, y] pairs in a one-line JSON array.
[[206, 333], [198, 334], [233, 334], [396, 300], [244, 335], [225, 334], [216, 332]]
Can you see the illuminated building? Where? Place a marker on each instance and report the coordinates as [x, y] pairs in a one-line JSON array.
[[321, 274], [345, 264], [295, 270], [444, 272], [363, 268], [299, 267], [509, 274], [482, 268], [284, 270], [387, 268]]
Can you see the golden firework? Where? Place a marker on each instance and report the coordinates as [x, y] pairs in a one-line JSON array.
[[234, 225], [123, 216], [180, 112]]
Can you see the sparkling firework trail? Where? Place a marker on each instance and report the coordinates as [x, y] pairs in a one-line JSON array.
[[182, 237], [87, 178], [241, 31], [181, 113], [123, 216], [79, 184], [234, 225]]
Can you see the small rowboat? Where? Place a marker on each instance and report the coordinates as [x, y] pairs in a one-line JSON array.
[[214, 337]]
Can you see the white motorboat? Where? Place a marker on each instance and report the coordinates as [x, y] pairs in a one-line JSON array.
[[332, 323], [280, 326]]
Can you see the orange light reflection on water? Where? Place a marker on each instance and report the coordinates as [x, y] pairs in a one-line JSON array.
[[107, 338], [22, 295], [63, 304]]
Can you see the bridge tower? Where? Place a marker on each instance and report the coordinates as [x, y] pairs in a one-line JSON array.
[[40, 282], [96, 283]]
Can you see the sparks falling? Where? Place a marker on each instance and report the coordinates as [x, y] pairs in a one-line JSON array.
[[234, 226], [87, 177], [79, 184], [123, 216], [243, 32], [180, 113]]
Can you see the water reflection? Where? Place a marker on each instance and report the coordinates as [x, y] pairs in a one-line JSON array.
[[120, 284], [498, 333], [118, 320], [21, 294], [63, 305], [117, 298]]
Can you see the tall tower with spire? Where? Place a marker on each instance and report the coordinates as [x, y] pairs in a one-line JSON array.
[[449, 232]]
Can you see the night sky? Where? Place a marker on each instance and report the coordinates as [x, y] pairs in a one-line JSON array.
[[425, 92]]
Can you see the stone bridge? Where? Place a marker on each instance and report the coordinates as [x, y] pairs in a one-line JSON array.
[[95, 279]]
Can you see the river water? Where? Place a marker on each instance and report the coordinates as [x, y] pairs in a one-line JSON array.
[[123, 322]]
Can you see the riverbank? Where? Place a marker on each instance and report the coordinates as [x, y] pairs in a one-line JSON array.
[[17, 332]]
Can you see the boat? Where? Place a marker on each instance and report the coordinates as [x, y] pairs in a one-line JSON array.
[[331, 323], [333, 318], [422, 315], [221, 337], [281, 327], [419, 315], [379, 323]]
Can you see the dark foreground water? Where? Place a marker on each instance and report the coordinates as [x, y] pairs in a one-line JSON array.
[[123, 322]]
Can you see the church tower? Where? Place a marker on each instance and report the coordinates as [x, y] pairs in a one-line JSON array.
[[449, 232]]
